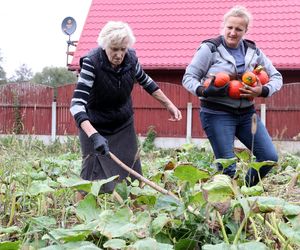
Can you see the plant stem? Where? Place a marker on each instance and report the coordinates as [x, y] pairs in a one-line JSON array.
[[275, 231], [260, 181], [254, 228], [222, 227], [237, 236], [12, 210], [39, 205]]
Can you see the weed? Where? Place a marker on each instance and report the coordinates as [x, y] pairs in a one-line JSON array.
[[148, 144]]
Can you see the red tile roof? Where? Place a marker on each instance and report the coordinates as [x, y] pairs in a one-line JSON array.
[[169, 31]]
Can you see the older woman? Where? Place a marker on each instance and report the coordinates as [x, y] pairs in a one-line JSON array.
[[222, 117], [102, 105]]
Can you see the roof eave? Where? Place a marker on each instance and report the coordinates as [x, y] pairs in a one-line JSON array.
[[169, 67], [74, 67]]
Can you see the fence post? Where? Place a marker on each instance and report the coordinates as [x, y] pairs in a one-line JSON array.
[[263, 113], [53, 121], [189, 118]]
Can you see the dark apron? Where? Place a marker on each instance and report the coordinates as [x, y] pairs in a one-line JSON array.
[[95, 166]]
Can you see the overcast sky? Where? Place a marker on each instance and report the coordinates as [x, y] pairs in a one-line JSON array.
[[30, 32]]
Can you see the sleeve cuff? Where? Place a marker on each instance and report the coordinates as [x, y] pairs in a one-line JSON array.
[[152, 88], [264, 91], [81, 117], [199, 91]]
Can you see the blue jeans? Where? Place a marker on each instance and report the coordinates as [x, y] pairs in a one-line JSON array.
[[221, 130]]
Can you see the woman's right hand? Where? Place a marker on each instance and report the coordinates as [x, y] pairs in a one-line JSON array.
[[249, 91], [100, 143], [212, 90]]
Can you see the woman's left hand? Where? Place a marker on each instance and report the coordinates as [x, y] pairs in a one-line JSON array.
[[249, 91]]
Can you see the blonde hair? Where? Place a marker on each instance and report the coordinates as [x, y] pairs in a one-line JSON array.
[[114, 32], [238, 11]]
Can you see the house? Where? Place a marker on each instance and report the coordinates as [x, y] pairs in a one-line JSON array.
[[168, 34]]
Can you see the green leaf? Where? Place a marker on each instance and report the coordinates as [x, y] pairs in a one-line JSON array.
[[114, 225], [167, 203], [221, 246], [219, 192], [190, 173], [245, 246], [39, 187], [123, 190], [270, 204], [197, 198], [164, 246], [67, 235], [219, 189], [163, 238], [9, 230], [6, 245], [158, 223], [145, 244], [258, 165], [143, 191], [115, 244], [157, 177], [143, 219], [87, 209], [251, 191], [75, 182], [80, 245], [36, 244], [146, 200], [38, 176], [185, 244], [245, 205], [96, 185], [225, 162], [41, 223], [293, 234], [244, 155]]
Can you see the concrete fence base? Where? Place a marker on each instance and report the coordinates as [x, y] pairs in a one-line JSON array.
[[292, 147]]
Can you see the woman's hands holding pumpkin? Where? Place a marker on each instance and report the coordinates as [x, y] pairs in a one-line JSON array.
[[212, 90], [253, 91]]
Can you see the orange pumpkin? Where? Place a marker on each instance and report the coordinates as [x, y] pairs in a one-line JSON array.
[[263, 77], [249, 78], [234, 89], [261, 74], [222, 79]]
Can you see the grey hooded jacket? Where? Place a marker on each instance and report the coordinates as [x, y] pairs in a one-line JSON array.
[[208, 60]]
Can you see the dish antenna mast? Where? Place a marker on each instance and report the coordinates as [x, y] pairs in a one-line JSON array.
[[68, 26]]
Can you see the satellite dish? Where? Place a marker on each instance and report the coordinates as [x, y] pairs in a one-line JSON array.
[[68, 25]]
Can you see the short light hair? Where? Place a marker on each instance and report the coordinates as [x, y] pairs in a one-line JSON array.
[[238, 11], [114, 32]]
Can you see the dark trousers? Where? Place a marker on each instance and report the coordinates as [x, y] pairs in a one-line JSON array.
[[221, 130]]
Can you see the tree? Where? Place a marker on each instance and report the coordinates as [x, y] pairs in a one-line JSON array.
[[54, 76], [22, 74], [2, 72]]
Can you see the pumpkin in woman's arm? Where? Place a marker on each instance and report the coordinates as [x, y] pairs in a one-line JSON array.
[[261, 74]]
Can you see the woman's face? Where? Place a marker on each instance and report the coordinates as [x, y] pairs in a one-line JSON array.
[[116, 52], [234, 30]]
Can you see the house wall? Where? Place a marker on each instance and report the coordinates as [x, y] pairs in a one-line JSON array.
[[290, 76], [172, 76]]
